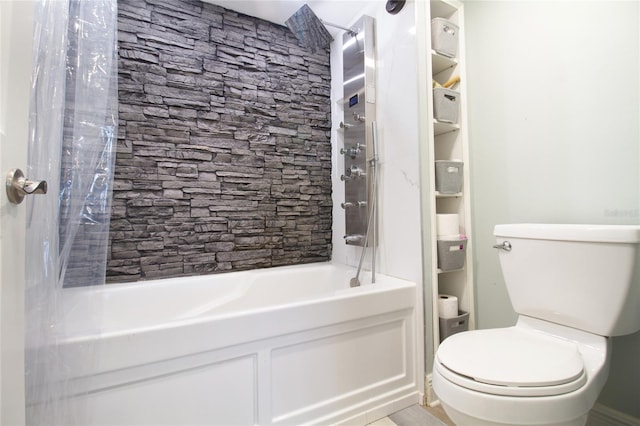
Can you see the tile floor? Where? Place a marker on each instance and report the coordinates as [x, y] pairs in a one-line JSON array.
[[416, 416]]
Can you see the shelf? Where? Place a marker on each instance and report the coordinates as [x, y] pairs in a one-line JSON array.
[[443, 9], [440, 128], [456, 195], [440, 63], [440, 271], [447, 141]]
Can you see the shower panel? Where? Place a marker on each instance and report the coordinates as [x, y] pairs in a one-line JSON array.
[[358, 58]]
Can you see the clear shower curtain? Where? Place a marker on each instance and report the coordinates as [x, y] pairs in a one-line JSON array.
[[72, 137]]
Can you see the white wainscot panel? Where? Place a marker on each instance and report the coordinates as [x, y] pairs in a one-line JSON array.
[[218, 393], [337, 371]]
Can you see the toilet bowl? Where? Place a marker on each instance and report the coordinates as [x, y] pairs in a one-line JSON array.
[[533, 373], [572, 286]]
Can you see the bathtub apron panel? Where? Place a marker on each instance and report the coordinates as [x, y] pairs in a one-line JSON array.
[[338, 355]]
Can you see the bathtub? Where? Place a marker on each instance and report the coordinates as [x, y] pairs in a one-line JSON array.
[[285, 345]]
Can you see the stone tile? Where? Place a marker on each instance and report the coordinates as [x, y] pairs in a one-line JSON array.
[[224, 155]]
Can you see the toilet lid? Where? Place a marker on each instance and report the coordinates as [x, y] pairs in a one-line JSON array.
[[514, 357]]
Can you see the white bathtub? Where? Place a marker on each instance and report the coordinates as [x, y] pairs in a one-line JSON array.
[[287, 345]]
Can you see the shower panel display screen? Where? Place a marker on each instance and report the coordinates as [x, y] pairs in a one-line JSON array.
[[358, 58]]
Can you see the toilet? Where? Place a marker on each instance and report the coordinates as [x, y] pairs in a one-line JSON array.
[[572, 286]]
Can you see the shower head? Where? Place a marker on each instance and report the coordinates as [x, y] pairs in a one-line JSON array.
[[309, 29]]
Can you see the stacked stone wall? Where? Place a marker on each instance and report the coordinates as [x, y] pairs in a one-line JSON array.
[[224, 155]]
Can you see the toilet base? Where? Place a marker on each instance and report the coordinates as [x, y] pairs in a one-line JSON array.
[[461, 419]]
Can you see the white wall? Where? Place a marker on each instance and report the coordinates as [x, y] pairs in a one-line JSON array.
[[399, 250], [554, 121]]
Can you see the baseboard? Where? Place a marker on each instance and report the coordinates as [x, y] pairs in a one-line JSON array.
[[430, 398], [377, 412], [601, 415]]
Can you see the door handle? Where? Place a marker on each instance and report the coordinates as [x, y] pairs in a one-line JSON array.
[[18, 186]]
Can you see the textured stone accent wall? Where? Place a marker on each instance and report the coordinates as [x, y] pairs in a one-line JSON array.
[[224, 154]]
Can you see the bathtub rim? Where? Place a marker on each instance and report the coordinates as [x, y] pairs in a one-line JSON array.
[[383, 283]]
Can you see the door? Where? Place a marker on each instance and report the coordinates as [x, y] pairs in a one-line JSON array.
[[16, 40]]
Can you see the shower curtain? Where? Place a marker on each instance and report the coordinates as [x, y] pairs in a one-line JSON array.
[[72, 137]]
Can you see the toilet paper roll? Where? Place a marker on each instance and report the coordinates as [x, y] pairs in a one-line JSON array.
[[448, 225], [447, 306]]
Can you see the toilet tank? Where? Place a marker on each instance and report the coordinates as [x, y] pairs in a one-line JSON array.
[[581, 276]]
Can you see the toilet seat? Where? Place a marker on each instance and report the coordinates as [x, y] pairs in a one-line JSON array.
[[512, 362]]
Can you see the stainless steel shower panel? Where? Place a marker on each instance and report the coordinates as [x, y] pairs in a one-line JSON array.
[[358, 58]]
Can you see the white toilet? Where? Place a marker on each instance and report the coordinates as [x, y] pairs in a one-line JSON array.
[[572, 287]]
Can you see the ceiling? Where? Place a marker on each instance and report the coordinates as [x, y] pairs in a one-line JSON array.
[[339, 12]]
